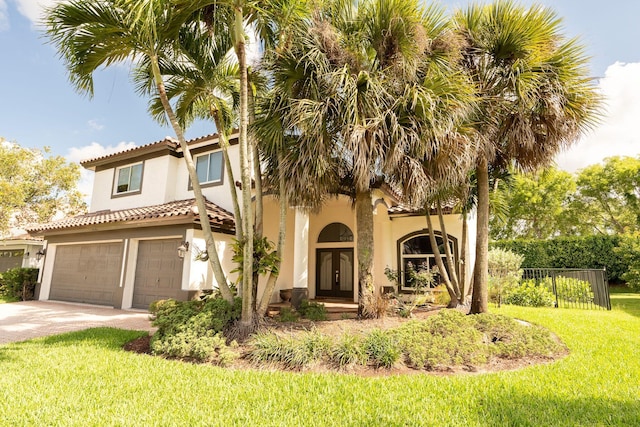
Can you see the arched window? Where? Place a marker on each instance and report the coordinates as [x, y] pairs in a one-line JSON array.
[[335, 232], [416, 253]]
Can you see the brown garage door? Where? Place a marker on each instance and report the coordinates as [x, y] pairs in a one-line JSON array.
[[10, 259], [158, 272], [87, 273]]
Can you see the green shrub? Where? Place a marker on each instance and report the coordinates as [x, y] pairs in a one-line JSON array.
[[449, 338], [291, 352], [19, 283], [381, 348], [312, 310], [287, 314], [348, 351], [193, 329], [573, 252], [504, 272], [529, 294], [191, 344], [629, 251]]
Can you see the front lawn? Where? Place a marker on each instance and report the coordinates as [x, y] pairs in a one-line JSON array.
[[85, 378], [5, 299]]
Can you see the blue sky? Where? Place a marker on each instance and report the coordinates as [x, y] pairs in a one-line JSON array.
[[38, 106]]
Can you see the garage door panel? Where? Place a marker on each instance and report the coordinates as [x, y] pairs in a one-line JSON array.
[[158, 272], [87, 273], [11, 258]]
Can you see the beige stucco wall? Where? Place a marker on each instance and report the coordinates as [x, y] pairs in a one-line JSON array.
[[218, 194], [164, 179], [199, 274], [158, 180], [387, 232]]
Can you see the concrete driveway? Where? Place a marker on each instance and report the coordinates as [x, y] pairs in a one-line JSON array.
[[20, 321]]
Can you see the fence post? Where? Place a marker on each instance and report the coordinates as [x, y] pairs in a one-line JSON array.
[[555, 289]]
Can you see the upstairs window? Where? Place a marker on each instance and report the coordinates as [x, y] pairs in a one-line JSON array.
[[209, 168], [128, 179]]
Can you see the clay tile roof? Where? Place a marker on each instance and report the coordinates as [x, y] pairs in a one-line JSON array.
[[220, 218], [166, 142], [401, 209]]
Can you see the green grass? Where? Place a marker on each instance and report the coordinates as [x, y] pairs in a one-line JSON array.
[[85, 378], [5, 299]]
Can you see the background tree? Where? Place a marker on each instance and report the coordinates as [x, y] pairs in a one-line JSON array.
[[608, 195], [538, 206], [535, 98], [35, 186]]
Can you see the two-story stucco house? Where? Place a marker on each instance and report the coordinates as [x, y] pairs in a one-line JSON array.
[[124, 252]]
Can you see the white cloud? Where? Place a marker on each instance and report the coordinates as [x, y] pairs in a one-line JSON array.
[[4, 16], [95, 125], [76, 155], [617, 135], [33, 9]]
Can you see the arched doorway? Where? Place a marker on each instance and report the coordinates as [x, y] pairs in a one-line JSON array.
[[334, 265]]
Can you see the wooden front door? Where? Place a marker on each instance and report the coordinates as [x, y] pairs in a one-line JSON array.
[[334, 272]]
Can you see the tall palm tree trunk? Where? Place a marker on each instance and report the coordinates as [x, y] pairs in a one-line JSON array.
[[224, 144], [214, 259], [453, 271], [439, 263], [246, 318], [257, 177], [464, 257], [364, 245], [479, 298]]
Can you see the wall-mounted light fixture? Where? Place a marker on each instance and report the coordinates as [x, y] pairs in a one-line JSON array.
[[183, 249], [40, 254]]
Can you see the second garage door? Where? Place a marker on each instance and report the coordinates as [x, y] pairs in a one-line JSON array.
[[87, 273], [10, 259], [158, 272]]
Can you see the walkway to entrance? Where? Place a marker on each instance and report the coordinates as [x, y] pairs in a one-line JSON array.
[[20, 321]]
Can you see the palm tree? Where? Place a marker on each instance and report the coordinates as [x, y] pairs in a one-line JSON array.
[[96, 33], [535, 98], [202, 81], [265, 18], [362, 93]]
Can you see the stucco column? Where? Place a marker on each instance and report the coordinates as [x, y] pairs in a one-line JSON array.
[[300, 257]]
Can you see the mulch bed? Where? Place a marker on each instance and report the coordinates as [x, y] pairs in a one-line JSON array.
[[140, 345]]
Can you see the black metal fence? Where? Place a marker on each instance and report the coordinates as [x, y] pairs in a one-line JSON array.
[[573, 288]]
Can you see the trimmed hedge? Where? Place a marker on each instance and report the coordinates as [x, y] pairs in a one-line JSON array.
[[19, 283], [570, 252]]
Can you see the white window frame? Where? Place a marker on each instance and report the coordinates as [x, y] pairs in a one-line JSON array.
[[116, 178], [212, 182]]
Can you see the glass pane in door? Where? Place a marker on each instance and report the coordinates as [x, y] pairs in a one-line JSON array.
[[325, 266], [346, 270]]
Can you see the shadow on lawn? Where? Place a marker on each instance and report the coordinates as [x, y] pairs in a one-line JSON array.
[[531, 410], [5, 353], [110, 338]]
